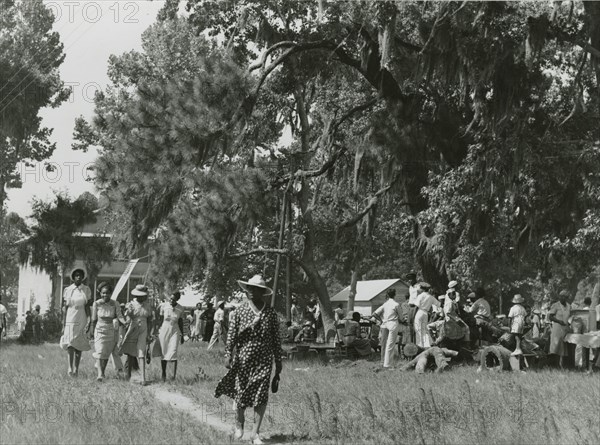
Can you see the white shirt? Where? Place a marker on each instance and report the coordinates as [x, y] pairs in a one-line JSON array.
[[425, 301], [219, 315], [481, 308], [412, 295], [389, 311]]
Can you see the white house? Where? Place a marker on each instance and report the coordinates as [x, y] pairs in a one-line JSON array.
[[370, 294]]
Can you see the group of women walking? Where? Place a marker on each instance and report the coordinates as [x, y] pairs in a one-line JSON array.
[[116, 332], [253, 340]]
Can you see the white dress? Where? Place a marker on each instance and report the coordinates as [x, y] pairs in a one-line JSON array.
[[424, 303], [169, 335], [76, 298]]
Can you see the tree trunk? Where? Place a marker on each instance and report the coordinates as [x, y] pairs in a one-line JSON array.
[[288, 264], [279, 246], [595, 297], [352, 296]]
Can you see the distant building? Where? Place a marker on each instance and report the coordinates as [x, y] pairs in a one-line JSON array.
[[370, 294], [37, 287]]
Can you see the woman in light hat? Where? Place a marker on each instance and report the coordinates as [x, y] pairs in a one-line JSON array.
[[104, 312], [170, 334], [136, 338], [77, 299], [253, 344], [517, 317]]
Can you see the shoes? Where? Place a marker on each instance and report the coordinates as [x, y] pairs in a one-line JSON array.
[[99, 379], [516, 352], [239, 432], [256, 440], [70, 373]]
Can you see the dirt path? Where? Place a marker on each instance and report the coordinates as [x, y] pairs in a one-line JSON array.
[[188, 406]]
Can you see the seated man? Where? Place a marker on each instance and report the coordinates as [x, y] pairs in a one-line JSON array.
[[353, 337], [307, 334]]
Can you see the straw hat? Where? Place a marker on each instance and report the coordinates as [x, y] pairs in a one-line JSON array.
[[78, 269], [140, 291], [452, 284], [517, 299], [255, 281]]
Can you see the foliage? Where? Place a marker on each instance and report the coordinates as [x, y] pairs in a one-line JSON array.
[[12, 230], [53, 243], [30, 56], [460, 136]]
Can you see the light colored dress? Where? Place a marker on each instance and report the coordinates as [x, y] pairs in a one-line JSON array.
[[425, 301], [517, 314], [135, 339], [560, 312], [105, 334], [169, 335], [75, 299]]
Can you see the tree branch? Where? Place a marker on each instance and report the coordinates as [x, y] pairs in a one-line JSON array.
[[327, 165], [263, 250], [373, 200]]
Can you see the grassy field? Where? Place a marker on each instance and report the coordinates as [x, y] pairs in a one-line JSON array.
[[337, 402]]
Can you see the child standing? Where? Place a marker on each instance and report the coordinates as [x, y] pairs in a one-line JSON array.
[[517, 316]]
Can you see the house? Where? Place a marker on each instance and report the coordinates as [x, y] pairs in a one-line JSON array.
[[370, 294], [36, 286]]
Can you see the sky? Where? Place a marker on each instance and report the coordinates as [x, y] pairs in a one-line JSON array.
[[90, 31]]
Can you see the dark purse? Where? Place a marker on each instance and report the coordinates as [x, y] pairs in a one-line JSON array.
[[275, 384]]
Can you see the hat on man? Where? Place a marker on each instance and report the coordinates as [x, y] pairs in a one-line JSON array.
[[255, 281], [452, 284], [517, 299], [411, 275], [140, 291], [80, 270]]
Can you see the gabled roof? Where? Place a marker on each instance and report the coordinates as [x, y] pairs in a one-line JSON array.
[[365, 290]]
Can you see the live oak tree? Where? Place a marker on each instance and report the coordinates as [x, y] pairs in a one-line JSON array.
[[463, 135], [30, 55], [52, 243]]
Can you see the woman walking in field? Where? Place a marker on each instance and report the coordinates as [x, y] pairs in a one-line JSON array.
[[104, 312], [170, 334], [136, 338], [76, 320], [252, 345]]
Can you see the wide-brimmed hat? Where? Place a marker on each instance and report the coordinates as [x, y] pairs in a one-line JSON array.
[[218, 303], [411, 275], [255, 281], [140, 291], [78, 269], [452, 284], [518, 299]]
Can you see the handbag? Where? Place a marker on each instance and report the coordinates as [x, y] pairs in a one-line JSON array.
[[275, 384]]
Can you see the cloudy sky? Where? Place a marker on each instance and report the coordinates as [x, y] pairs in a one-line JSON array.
[[90, 31]]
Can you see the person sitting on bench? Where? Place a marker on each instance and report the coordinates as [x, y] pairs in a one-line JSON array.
[[353, 336]]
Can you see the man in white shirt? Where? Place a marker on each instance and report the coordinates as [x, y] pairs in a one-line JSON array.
[[481, 308], [218, 331], [389, 313]]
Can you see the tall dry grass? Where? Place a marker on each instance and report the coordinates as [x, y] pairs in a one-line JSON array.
[[338, 402]]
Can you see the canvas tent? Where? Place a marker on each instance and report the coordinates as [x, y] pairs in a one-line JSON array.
[[370, 294]]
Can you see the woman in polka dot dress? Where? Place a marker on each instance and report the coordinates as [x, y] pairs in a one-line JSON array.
[[253, 343]]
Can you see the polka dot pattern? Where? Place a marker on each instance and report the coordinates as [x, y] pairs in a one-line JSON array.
[[254, 343]]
